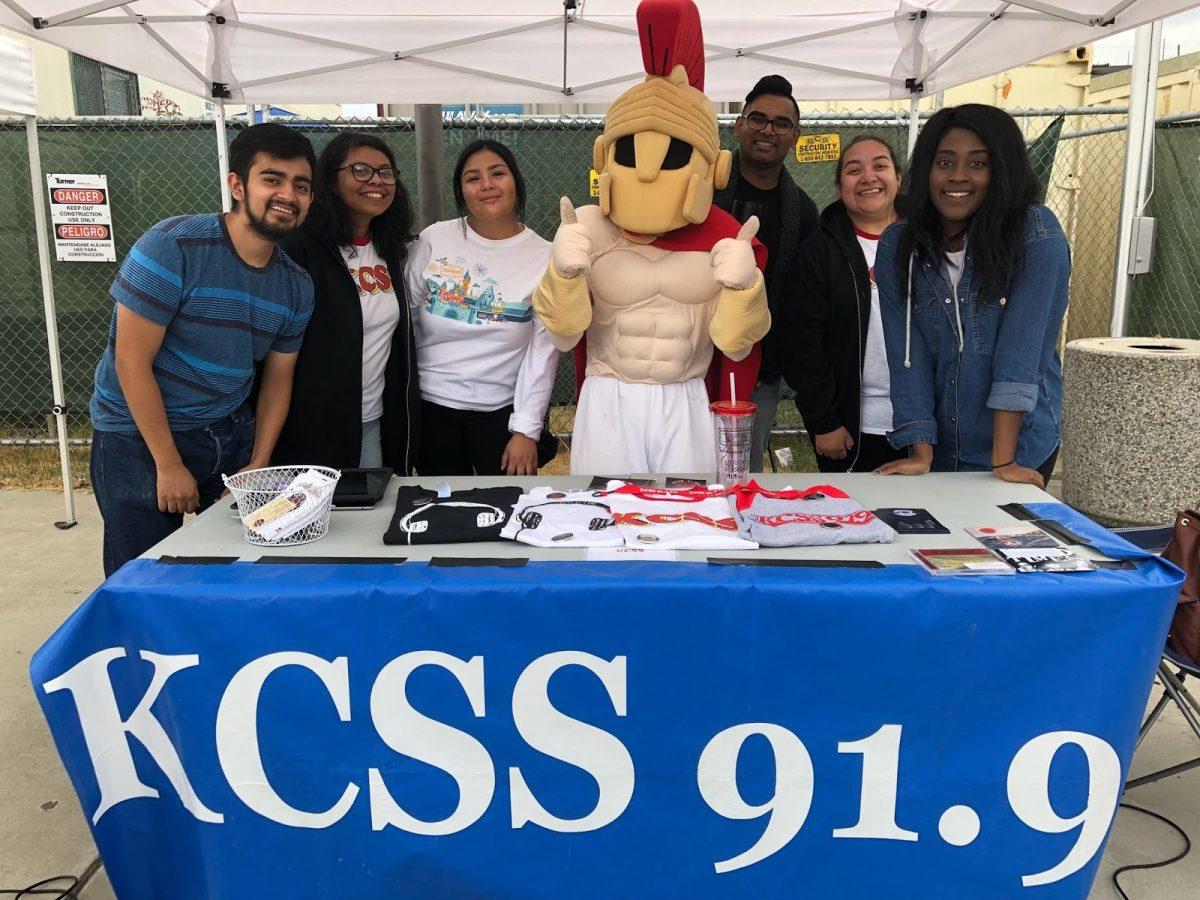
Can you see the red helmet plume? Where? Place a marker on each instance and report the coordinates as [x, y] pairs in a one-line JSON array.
[[671, 36]]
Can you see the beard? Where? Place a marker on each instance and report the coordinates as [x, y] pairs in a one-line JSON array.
[[264, 227]]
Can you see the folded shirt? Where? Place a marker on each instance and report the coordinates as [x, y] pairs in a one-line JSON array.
[[546, 517], [818, 516], [698, 518], [422, 517]]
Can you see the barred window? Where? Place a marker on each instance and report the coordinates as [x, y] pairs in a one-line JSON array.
[[103, 90]]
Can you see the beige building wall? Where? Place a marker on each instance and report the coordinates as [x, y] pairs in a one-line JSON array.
[[1178, 86]]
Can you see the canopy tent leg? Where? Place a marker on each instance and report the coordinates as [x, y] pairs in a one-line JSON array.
[[1139, 149], [914, 123], [430, 164], [223, 155], [56, 372]]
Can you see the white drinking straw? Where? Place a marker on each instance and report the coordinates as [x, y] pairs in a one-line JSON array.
[[732, 390]]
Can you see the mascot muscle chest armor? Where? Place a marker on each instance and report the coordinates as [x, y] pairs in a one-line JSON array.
[[655, 276]]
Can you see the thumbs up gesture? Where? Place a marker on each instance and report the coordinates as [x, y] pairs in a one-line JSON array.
[[571, 252], [733, 258]]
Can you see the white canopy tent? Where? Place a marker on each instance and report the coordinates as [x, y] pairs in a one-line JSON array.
[[577, 51], [413, 51], [18, 92]]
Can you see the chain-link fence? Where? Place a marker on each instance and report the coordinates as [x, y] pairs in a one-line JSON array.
[[162, 167]]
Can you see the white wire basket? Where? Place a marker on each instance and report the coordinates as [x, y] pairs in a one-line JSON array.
[[279, 508]]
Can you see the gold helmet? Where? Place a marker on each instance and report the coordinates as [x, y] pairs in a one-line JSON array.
[[660, 157]]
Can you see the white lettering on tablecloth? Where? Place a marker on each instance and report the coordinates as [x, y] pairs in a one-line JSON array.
[[409, 733]]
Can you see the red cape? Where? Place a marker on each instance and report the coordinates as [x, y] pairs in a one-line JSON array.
[[703, 237]]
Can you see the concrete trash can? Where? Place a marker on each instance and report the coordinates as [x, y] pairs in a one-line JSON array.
[[1131, 428]]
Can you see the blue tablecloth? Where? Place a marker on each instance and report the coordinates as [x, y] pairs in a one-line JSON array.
[[624, 729]]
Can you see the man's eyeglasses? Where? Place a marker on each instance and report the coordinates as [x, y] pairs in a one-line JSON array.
[[363, 172], [780, 124]]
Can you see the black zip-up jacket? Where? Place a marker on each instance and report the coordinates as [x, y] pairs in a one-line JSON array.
[[824, 335], [324, 426], [797, 220]]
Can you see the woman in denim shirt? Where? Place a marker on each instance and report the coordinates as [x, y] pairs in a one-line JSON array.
[[973, 289]]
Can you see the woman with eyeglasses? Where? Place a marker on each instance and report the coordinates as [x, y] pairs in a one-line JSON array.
[[835, 360], [486, 361], [355, 397], [973, 288]]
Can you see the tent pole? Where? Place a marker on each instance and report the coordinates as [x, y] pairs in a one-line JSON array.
[[914, 122], [56, 373], [1139, 143], [430, 163], [222, 155]]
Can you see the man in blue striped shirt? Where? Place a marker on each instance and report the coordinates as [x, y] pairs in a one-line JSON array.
[[200, 302]]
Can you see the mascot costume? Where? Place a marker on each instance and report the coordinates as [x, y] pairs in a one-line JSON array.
[[655, 277]]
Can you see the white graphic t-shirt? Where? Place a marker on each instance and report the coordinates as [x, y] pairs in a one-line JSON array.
[[546, 517], [479, 345], [699, 518], [876, 408], [380, 315]]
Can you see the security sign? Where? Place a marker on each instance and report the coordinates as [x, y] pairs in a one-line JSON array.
[[82, 219], [811, 148]]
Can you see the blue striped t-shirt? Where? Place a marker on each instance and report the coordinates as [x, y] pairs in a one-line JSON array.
[[222, 316]]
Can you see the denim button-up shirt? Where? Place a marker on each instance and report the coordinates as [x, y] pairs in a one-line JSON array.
[[1008, 360]]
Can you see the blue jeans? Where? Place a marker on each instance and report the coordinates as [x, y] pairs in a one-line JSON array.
[[766, 397], [125, 481]]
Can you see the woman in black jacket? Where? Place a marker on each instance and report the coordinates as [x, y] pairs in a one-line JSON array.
[[835, 359], [354, 399]]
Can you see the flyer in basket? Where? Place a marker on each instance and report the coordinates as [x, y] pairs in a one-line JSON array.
[[298, 506], [1029, 549]]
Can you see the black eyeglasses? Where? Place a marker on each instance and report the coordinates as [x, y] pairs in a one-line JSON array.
[[779, 125], [363, 172]]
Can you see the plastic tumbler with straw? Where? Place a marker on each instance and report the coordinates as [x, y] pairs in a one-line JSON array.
[[733, 421]]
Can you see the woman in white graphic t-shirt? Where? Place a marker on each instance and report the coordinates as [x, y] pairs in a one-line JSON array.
[[832, 335], [486, 361], [355, 400]]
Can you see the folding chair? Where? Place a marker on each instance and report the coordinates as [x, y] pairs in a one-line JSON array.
[[1155, 539], [1173, 691]]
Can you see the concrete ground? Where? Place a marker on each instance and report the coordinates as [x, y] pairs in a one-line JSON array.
[[43, 831]]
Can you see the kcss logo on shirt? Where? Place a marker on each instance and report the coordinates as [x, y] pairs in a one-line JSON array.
[[372, 279]]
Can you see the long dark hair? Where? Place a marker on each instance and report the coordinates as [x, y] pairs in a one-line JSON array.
[[997, 230], [390, 231], [506, 155]]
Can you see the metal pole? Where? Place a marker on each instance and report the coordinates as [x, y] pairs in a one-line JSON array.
[[56, 376], [1143, 94], [431, 167], [223, 156], [914, 123]]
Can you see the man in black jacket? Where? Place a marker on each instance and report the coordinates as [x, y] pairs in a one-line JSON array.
[[759, 185]]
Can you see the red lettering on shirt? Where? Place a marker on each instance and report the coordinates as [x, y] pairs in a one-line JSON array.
[[372, 279], [862, 517], [642, 520], [383, 278]]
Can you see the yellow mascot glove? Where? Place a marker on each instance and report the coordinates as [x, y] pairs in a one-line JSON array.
[[742, 317], [561, 299]]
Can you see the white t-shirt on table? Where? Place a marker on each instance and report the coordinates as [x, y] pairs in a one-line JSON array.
[[876, 409], [479, 344], [380, 315]]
